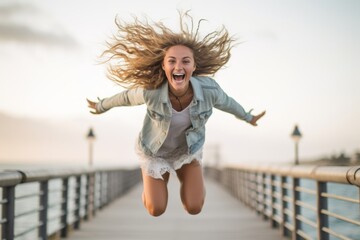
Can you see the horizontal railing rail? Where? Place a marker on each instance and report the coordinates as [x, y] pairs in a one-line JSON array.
[[304, 202], [48, 204]]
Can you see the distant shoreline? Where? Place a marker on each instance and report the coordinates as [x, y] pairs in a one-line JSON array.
[[327, 162]]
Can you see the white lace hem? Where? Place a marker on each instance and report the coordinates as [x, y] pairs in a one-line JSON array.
[[156, 166]]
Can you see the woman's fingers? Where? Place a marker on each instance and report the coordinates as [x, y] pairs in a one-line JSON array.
[[257, 117], [92, 105], [261, 115]]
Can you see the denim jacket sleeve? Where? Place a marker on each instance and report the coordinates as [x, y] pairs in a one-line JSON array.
[[129, 97], [229, 105]]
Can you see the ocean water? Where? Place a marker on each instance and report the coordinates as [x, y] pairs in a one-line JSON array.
[[349, 210]]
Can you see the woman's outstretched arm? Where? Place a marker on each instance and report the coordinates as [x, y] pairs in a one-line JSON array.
[[129, 97]]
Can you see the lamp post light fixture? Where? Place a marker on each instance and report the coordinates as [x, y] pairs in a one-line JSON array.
[[91, 138], [296, 136]]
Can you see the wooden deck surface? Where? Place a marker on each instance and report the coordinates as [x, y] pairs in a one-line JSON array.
[[223, 218]]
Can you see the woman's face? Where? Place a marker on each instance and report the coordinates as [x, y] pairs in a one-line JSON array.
[[178, 65]]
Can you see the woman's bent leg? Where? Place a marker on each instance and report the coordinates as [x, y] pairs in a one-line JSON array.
[[155, 194], [192, 189]]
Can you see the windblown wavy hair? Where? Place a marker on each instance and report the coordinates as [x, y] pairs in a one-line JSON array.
[[136, 52]]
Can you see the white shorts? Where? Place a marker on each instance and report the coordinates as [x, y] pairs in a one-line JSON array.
[[156, 166]]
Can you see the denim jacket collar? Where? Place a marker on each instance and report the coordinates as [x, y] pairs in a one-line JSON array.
[[164, 92], [198, 91]]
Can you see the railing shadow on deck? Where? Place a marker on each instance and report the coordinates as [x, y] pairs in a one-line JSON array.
[[303, 202], [48, 204]]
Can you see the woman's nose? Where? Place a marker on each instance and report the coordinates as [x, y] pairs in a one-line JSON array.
[[178, 66]]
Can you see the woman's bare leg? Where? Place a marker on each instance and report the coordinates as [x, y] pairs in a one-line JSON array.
[[192, 189], [155, 194]]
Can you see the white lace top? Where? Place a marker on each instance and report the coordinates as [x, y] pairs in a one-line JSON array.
[[180, 121], [173, 154]]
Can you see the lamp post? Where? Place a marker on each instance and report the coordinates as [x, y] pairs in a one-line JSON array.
[[296, 135], [90, 137]]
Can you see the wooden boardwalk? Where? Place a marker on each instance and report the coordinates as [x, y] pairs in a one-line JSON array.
[[222, 218]]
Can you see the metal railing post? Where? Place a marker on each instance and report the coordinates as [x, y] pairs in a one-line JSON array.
[[238, 184], [64, 207], [44, 195], [113, 188], [284, 206], [273, 200], [242, 186], [322, 203], [89, 199], [103, 186], [233, 182], [253, 192], [8, 213], [257, 192], [250, 190], [108, 188], [93, 195], [296, 209], [77, 202], [263, 189]]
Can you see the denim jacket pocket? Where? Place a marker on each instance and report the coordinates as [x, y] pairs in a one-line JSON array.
[[204, 116], [155, 115]]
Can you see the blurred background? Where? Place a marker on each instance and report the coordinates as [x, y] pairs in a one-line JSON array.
[[298, 60]]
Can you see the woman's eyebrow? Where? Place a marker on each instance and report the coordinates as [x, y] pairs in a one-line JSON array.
[[181, 58]]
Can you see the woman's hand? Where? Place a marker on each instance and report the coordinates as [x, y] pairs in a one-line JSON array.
[[256, 118], [92, 106]]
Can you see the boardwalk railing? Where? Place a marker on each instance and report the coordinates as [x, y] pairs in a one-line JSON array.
[[304, 202], [48, 204]]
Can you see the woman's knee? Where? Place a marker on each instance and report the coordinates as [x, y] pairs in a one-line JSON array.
[[193, 205], [155, 210], [194, 208], [155, 194], [192, 189]]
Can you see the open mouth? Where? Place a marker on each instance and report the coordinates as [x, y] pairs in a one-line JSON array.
[[178, 77]]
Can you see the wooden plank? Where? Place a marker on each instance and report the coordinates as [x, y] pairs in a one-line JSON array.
[[223, 217]]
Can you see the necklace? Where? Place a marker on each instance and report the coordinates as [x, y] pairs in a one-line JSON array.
[[178, 97]]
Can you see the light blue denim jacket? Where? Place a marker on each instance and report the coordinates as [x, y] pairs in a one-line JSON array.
[[207, 94]]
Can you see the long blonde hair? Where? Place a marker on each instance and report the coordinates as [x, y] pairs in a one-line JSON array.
[[137, 50]]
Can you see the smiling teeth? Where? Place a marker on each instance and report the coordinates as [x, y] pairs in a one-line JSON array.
[[178, 76]]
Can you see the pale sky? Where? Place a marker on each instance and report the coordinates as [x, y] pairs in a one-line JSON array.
[[298, 60]]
